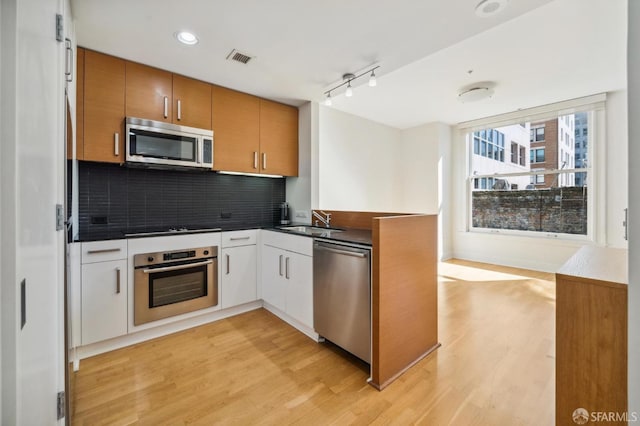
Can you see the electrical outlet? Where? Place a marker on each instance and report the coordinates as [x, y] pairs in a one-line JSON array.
[[302, 214]]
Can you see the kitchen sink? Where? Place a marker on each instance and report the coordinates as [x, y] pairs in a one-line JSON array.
[[314, 231]]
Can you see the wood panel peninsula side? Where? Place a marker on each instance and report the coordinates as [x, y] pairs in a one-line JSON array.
[[591, 334], [404, 289]]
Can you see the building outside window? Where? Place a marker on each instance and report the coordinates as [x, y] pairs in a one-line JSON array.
[[537, 134], [537, 155]]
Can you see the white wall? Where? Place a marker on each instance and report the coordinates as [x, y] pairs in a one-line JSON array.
[[633, 76], [357, 163], [300, 190], [617, 169], [424, 177], [32, 114]]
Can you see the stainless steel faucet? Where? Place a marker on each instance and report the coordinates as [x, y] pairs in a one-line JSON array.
[[325, 220]]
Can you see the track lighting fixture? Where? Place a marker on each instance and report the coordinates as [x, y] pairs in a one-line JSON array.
[[348, 78]]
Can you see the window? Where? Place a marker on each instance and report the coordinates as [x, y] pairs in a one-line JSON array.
[[489, 143], [536, 134], [546, 196], [537, 155], [537, 179]]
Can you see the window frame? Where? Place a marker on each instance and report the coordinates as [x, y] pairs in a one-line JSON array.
[[595, 107]]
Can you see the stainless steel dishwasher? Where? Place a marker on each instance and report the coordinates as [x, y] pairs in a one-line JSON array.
[[342, 295]]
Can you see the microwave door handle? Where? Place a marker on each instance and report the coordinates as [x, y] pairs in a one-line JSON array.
[[176, 268]]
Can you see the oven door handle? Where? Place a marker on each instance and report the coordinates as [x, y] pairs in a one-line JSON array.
[[175, 268]]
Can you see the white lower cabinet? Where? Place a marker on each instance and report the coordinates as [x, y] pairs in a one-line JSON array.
[[104, 300], [238, 275], [273, 282], [287, 276], [299, 289]]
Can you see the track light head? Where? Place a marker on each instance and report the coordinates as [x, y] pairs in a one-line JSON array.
[[349, 92], [327, 101], [372, 79]]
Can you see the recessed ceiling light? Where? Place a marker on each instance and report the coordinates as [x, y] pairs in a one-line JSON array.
[[475, 94], [488, 8], [186, 37]]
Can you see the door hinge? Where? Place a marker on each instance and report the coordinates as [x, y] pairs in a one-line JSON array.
[[61, 405], [59, 27], [59, 217]]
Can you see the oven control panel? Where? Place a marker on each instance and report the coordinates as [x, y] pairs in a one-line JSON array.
[[151, 259]]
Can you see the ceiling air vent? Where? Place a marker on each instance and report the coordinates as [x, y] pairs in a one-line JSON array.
[[238, 57]]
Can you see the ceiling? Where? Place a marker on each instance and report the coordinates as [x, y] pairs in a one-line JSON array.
[[536, 51]]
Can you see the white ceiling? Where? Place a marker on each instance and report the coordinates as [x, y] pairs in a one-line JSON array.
[[537, 51]]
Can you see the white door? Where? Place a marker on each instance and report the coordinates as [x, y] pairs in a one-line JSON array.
[[238, 282], [299, 292], [32, 163], [273, 282]]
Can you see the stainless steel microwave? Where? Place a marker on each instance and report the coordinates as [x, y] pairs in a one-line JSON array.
[[155, 143]]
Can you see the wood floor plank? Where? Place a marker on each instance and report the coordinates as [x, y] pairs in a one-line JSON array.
[[495, 367]]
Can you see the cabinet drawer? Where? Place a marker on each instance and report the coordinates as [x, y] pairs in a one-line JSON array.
[[294, 243], [239, 238], [102, 251]]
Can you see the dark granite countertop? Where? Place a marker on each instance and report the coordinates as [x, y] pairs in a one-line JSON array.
[[116, 234], [345, 235]]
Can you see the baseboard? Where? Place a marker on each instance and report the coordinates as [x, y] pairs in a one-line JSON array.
[[381, 386], [292, 322]]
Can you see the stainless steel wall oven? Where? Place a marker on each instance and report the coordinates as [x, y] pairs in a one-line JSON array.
[[173, 283]]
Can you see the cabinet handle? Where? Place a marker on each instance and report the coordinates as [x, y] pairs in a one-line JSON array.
[[166, 107], [239, 238], [255, 159], [116, 144], [117, 280], [179, 110], [286, 268], [264, 161], [228, 270], [280, 265], [111, 250]]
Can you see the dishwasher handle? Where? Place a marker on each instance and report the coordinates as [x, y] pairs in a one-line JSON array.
[[344, 252]]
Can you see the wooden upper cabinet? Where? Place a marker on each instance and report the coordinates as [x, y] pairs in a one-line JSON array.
[[236, 130], [191, 102], [104, 94], [149, 92], [79, 107], [278, 139]]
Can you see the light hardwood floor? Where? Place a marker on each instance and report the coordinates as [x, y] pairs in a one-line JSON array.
[[495, 367]]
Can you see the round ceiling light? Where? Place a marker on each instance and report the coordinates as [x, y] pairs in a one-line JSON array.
[[186, 37], [488, 8], [475, 94]]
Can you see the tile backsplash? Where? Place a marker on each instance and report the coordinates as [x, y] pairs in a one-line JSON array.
[[115, 199]]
